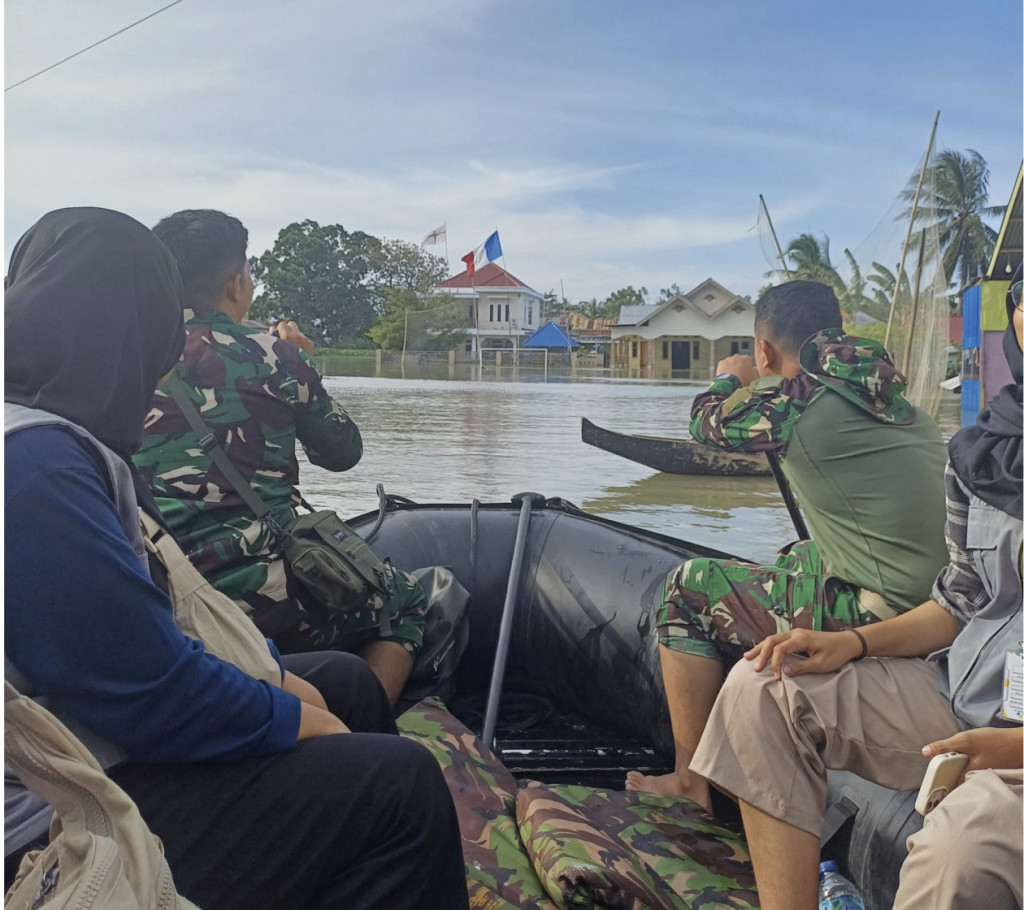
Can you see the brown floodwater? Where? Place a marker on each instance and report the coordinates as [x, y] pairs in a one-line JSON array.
[[440, 435]]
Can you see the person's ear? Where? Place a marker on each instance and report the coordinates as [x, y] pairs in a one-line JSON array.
[[233, 288], [767, 357]]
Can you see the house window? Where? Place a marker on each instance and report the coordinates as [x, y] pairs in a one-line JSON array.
[[490, 318], [471, 312], [529, 315], [469, 346], [506, 312], [633, 349], [664, 350], [696, 350]]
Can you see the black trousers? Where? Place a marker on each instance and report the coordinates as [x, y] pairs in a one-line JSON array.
[[354, 821]]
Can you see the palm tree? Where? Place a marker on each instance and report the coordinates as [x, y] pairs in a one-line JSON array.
[[884, 281], [954, 200], [811, 261]]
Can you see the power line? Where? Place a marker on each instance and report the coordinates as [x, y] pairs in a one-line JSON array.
[[91, 46]]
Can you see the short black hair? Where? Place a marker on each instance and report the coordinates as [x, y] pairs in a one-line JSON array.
[[209, 247], [788, 314]]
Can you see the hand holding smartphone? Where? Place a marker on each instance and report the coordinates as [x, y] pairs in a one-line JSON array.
[[945, 771]]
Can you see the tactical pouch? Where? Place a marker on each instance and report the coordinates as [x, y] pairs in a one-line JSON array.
[[334, 563]]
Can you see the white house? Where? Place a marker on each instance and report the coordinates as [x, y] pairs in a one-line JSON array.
[[501, 311], [688, 333]]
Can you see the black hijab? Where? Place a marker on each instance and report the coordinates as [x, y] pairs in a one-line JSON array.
[[92, 319], [987, 456]]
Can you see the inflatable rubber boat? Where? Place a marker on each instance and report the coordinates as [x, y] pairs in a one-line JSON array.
[[561, 669]]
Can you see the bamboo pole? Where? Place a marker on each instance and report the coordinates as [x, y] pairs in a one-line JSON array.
[[910, 230], [775, 237], [913, 306]]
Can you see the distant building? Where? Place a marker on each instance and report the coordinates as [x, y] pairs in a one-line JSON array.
[[687, 334], [501, 311]]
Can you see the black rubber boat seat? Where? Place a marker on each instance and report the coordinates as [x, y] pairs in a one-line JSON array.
[[865, 832]]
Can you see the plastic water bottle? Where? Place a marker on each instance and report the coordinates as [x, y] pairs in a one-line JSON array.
[[836, 892]]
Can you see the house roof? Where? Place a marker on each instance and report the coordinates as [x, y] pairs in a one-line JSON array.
[[635, 315], [550, 336], [490, 276], [709, 297]]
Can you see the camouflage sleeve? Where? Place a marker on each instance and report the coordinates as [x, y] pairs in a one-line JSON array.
[[327, 433], [757, 418], [958, 589]]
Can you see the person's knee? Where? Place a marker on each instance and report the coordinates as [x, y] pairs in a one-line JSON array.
[[746, 697], [343, 679]]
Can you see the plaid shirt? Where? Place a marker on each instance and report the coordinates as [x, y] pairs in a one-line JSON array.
[[958, 589]]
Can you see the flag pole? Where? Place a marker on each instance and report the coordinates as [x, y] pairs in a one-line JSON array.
[[447, 260]]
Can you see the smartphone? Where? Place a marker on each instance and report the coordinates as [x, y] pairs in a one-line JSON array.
[[944, 772]]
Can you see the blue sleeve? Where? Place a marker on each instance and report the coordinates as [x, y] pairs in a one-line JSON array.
[[88, 628]]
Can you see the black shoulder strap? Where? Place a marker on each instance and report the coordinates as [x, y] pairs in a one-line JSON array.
[[208, 443]]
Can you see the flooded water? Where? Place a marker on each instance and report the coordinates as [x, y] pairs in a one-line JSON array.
[[433, 438]]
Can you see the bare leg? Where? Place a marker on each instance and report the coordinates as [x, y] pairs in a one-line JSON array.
[[691, 686], [392, 664], [785, 861]]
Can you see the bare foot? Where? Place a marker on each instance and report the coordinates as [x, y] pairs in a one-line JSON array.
[[695, 787]]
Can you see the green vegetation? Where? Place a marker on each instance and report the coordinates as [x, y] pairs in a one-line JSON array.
[[336, 284], [957, 193]]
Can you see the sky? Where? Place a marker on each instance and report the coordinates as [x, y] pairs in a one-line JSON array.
[[611, 143]]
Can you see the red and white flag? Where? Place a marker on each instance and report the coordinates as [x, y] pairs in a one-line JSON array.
[[438, 235]]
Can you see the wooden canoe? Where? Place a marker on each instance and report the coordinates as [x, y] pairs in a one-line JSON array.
[[674, 456]]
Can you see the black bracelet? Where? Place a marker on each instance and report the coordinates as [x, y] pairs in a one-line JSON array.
[[863, 644]]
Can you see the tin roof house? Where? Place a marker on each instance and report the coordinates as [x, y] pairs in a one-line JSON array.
[[685, 335]]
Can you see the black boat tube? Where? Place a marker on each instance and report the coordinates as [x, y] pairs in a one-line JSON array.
[[787, 497], [507, 615]]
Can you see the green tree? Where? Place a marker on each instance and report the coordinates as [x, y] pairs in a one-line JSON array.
[[319, 276], [436, 322], [668, 293], [398, 265], [954, 198], [884, 281], [810, 260], [627, 296], [552, 305]]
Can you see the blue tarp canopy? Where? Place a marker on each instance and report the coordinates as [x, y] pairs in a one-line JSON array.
[[550, 336]]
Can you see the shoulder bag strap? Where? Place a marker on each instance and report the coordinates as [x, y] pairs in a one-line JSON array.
[[208, 443]]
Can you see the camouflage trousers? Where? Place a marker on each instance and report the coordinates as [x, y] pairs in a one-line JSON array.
[[398, 618], [721, 608]]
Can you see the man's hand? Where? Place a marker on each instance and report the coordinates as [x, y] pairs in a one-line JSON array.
[[826, 651], [988, 747], [742, 366], [315, 721], [288, 330]]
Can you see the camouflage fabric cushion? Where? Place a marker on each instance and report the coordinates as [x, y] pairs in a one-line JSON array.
[[631, 851], [498, 869]]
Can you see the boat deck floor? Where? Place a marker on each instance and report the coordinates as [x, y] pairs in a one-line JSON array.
[[536, 741]]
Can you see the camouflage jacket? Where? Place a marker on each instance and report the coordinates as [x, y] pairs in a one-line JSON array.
[[762, 416], [257, 394]]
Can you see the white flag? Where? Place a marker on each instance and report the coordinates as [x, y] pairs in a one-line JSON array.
[[435, 236]]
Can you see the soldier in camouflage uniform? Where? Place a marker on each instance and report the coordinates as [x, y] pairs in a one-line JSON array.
[[258, 394], [867, 468]]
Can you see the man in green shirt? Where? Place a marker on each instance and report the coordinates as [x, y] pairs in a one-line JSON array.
[[867, 467]]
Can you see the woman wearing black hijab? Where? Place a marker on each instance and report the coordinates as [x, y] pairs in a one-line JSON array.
[[257, 803]]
